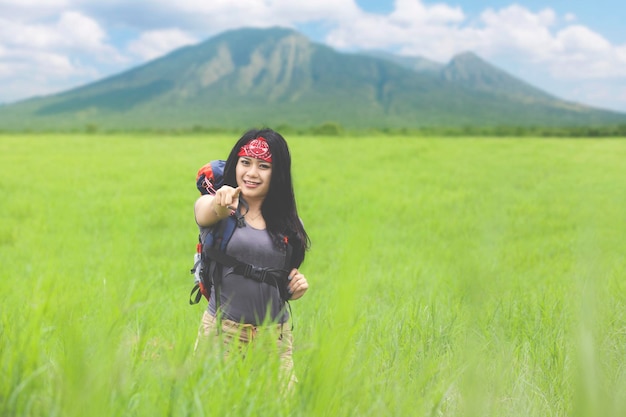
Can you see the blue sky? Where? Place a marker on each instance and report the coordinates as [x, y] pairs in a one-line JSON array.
[[574, 50], [605, 16]]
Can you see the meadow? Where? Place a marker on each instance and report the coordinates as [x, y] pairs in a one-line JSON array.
[[449, 277]]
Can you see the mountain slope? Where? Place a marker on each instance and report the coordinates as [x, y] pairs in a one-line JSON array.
[[277, 76], [471, 71], [418, 64]]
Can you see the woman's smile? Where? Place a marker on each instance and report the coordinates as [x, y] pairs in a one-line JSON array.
[[251, 184]]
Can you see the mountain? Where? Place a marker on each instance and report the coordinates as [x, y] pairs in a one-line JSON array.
[[469, 70], [415, 63], [253, 77]]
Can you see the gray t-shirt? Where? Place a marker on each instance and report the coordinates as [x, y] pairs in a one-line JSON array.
[[245, 300]]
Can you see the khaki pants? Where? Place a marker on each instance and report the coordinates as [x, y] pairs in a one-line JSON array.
[[236, 334]]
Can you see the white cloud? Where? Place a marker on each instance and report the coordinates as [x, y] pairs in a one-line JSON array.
[[42, 55], [261, 12], [26, 4], [514, 30], [579, 39], [207, 18], [412, 28], [438, 31], [412, 12], [155, 43], [60, 40], [509, 34], [309, 11], [32, 9], [72, 31], [570, 17], [81, 31], [26, 73]]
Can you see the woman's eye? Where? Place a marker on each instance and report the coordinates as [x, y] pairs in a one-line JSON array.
[[265, 166]]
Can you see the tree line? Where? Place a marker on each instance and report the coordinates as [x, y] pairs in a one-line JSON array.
[[336, 129]]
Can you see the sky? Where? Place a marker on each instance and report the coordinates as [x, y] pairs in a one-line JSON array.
[[574, 50]]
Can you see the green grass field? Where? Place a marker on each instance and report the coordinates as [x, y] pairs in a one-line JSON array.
[[449, 277]]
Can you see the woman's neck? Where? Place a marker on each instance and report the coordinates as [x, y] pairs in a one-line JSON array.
[[254, 208], [254, 216]]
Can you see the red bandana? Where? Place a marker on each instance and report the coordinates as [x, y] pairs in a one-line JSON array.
[[257, 148]]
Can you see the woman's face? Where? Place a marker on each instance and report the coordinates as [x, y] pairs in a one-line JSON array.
[[253, 176]]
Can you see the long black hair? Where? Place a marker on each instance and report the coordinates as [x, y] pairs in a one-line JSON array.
[[279, 206]]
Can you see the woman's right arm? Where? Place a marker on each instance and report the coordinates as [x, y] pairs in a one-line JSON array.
[[211, 209]]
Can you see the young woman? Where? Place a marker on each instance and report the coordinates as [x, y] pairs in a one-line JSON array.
[[257, 187]]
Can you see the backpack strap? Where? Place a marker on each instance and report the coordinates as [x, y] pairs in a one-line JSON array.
[[216, 236], [287, 267], [274, 276], [225, 230], [199, 289]]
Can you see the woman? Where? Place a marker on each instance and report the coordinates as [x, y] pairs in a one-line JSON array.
[[257, 187]]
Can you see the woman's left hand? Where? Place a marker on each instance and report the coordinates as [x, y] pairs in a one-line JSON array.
[[297, 284]]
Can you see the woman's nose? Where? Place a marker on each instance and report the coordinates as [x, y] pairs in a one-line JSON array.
[[253, 170]]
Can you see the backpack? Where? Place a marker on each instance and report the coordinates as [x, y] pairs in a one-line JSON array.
[[211, 255]]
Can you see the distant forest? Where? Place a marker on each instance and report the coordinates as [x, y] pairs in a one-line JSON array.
[[336, 129]]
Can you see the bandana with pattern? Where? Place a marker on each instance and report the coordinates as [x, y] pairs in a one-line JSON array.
[[257, 148]]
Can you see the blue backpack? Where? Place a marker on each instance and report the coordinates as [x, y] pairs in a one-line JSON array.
[[211, 257]]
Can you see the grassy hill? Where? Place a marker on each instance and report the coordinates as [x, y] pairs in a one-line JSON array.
[[279, 77]]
